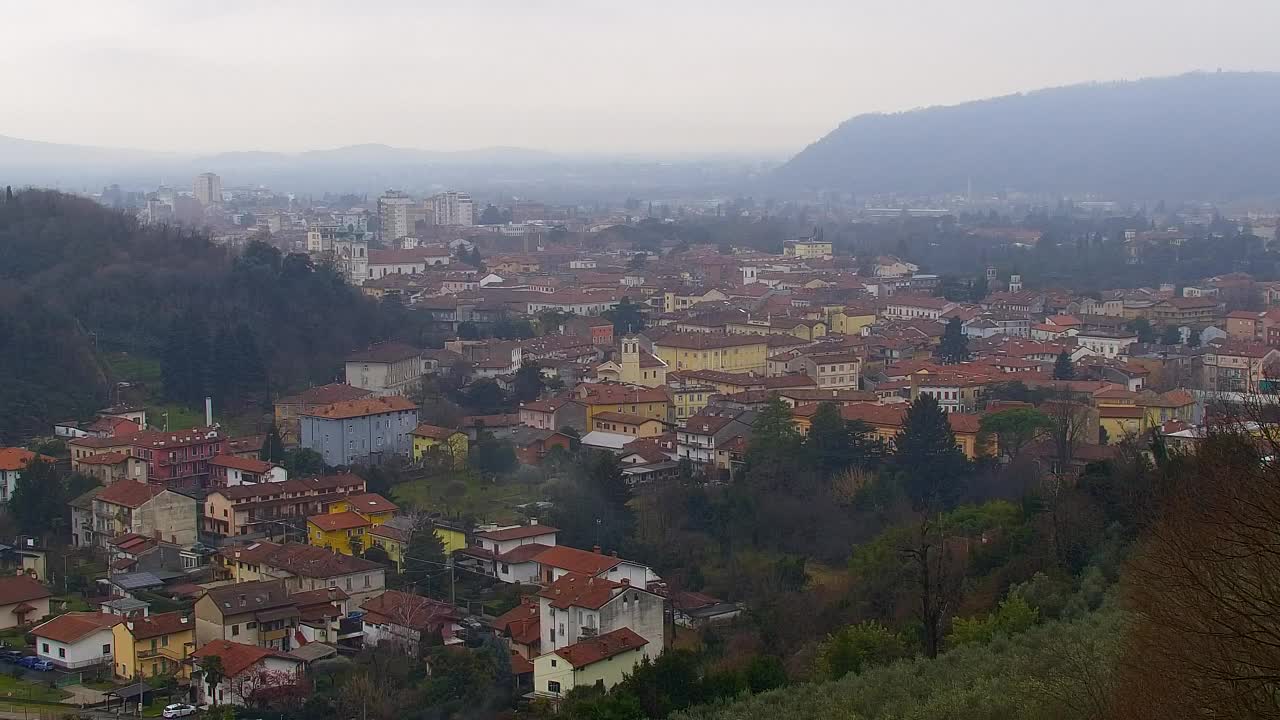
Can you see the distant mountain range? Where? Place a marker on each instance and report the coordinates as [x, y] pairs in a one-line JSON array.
[[1201, 135], [372, 168]]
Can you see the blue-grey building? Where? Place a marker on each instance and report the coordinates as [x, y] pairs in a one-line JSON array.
[[365, 430]]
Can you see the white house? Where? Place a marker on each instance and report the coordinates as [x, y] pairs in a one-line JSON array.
[[230, 470], [508, 553], [13, 461], [577, 607], [1106, 344], [602, 661], [247, 669], [76, 639], [22, 600]]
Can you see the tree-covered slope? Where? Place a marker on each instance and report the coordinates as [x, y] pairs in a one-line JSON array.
[[1201, 135]]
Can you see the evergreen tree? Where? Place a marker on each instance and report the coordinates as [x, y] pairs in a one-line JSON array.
[[38, 497], [1063, 369], [932, 469], [829, 445], [955, 346], [425, 554], [273, 447], [528, 383]]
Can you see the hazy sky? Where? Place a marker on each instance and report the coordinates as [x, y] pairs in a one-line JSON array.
[[569, 75]]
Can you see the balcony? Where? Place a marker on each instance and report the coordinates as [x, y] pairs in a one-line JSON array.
[[161, 652]]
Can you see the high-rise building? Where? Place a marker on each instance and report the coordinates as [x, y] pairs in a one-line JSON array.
[[208, 189], [393, 214], [451, 208]]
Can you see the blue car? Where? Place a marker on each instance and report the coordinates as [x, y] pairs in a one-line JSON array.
[[27, 660]]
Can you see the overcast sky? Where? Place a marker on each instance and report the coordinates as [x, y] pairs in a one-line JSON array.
[[569, 75]]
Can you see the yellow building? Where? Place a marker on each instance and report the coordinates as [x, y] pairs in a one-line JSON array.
[[704, 351], [1172, 405], [851, 320], [673, 301], [646, 402], [808, 249], [1118, 413], [145, 647], [429, 439], [599, 661], [689, 400], [627, 424], [633, 366], [344, 527]]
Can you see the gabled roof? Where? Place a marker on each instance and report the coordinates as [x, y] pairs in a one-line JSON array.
[[157, 625], [575, 560], [238, 657], [129, 493], [300, 559], [517, 533], [522, 623], [12, 458], [370, 503], [330, 522], [363, 407], [579, 590], [242, 464], [435, 432], [593, 650], [73, 626], [408, 610], [325, 395]]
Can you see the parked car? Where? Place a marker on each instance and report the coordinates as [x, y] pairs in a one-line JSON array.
[[26, 660], [41, 665], [11, 655], [178, 710]]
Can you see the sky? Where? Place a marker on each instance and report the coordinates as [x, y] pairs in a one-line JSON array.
[[595, 76]]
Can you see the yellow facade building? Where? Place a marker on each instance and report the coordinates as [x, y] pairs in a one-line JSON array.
[[428, 439], [156, 645], [633, 366], [602, 661], [646, 402], [344, 528], [705, 351]]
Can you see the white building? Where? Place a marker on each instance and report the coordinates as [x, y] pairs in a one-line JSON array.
[[579, 606], [393, 215], [208, 189], [247, 669], [1106, 344], [451, 208], [76, 639]]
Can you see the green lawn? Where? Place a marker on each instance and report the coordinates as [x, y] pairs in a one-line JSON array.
[[130, 368], [75, 602], [463, 493], [18, 690]]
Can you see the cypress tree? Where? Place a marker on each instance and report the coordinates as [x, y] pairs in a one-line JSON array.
[[1062, 367]]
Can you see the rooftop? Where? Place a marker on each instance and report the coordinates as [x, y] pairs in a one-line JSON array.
[[363, 407]]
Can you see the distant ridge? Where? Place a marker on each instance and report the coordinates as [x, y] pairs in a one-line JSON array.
[[1199, 135]]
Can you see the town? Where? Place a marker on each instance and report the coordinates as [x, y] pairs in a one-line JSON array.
[[529, 486]]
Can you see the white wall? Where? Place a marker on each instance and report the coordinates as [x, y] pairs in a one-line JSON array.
[[88, 651]]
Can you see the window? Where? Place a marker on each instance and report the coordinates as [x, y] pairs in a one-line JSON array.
[[247, 626], [505, 568], [553, 686], [235, 630], [348, 583], [106, 648], [44, 648], [153, 643], [553, 663], [164, 641]]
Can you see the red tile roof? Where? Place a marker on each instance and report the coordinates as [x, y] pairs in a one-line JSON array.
[[363, 407], [338, 521], [241, 464], [160, 624], [521, 623], [21, 588], [579, 590], [575, 560], [73, 626], [129, 493], [325, 395], [18, 458], [106, 458], [593, 650], [434, 431], [517, 533], [370, 503], [408, 610], [237, 657]]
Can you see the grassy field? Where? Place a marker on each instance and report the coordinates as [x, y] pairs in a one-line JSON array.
[[75, 602], [126, 367], [464, 493], [18, 690]]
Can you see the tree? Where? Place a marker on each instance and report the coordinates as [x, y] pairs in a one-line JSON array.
[[954, 347], [1172, 335], [829, 444], [627, 317], [214, 674], [528, 382], [933, 470], [855, 647], [425, 555], [492, 457], [1063, 369], [1014, 429], [38, 498], [1142, 327], [301, 462], [490, 216], [273, 446], [485, 397]]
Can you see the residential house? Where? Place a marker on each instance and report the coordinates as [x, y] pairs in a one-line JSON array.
[[695, 610], [129, 506], [82, 517], [76, 639], [247, 671], [230, 471], [109, 467], [432, 439], [359, 430], [147, 646], [580, 605], [704, 351], [402, 619], [508, 553], [304, 567], [179, 458], [600, 661], [627, 424], [274, 508], [521, 626], [886, 423], [22, 601], [610, 397], [832, 370], [13, 462], [343, 528], [289, 409], [266, 614], [532, 444], [1159, 409], [554, 414], [383, 369], [909, 307], [1186, 310], [1106, 343], [702, 438], [1237, 366], [555, 562], [392, 537]]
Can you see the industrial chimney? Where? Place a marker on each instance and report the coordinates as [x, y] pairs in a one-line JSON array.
[[208, 411]]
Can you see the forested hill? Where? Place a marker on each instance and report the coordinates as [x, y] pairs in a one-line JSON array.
[[1199, 136], [78, 281]]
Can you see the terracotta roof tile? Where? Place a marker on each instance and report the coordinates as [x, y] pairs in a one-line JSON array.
[[338, 521], [575, 560], [363, 407], [160, 624], [73, 626], [237, 657], [17, 458], [129, 493], [593, 650]]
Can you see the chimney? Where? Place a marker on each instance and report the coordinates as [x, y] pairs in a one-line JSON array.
[[208, 411], [129, 625], [595, 549]]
